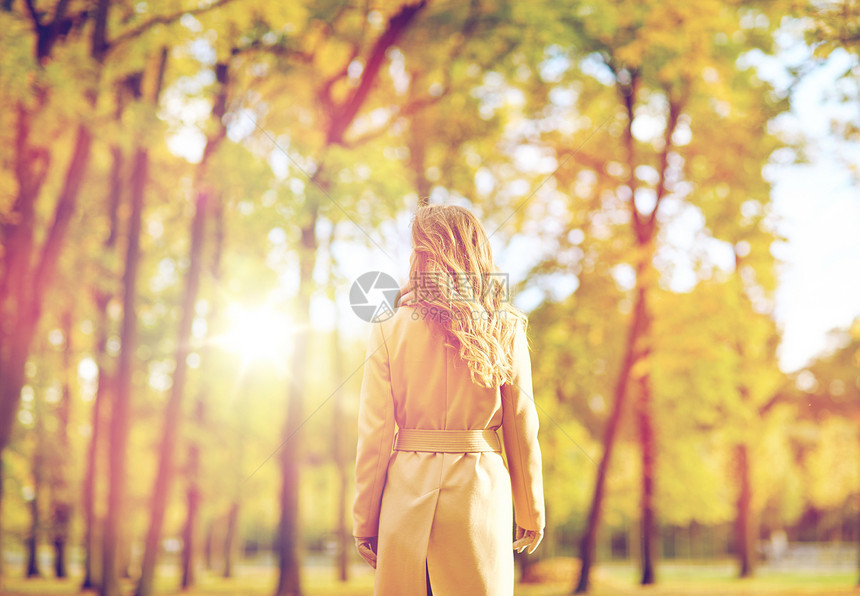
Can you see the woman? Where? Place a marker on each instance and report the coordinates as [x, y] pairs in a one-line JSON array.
[[432, 510]]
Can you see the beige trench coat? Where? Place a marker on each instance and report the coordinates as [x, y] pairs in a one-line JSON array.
[[446, 515]]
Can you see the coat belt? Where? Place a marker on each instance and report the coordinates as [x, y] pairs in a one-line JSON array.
[[447, 441]]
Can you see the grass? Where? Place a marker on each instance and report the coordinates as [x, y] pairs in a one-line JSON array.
[[674, 579]]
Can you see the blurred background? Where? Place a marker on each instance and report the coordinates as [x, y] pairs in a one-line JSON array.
[[189, 189]]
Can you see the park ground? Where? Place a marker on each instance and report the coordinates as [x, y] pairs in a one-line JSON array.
[[675, 579]]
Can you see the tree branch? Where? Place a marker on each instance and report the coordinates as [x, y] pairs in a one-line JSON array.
[[628, 97], [675, 107], [99, 44], [59, 16], [31, 8], [346, 112], [161, 20]]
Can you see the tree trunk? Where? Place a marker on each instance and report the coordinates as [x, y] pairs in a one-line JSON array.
[[208, 547], [29, 278], [744, 535], [104, 387], [339, 119], [230, 539], [62, 507], [119, 424], [91, 575], [218, 216], [193, 493], [289, 581], [340, 463], [589, 538], [416, 140], [16, 310], [173, 411], [192, 498], [35, 523], [646, 442], [644, 227], [24, 283], [645, 422], [33, 537]]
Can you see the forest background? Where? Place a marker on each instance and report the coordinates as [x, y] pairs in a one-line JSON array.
[[189, 189]]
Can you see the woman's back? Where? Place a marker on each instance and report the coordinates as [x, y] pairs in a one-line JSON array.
[[442, 516], [432, 387]]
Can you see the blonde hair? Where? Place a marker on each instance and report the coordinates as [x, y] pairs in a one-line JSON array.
[[454, 278]]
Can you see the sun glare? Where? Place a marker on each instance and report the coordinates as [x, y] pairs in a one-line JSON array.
[[258, 334]]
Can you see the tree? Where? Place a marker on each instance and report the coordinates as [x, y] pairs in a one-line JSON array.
[[337, 113], [637, 70], [61, 505], [149, 91], [27, 270], [829, 391], [103, 293], [173, 412]]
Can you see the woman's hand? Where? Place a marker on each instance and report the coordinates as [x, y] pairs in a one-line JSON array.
[[527, 539], [367, 549]]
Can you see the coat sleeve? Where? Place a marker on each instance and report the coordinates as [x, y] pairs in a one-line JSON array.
[[375, 436], [520, 433]]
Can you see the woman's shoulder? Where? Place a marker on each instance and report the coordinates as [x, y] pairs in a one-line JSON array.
[[406, 320]]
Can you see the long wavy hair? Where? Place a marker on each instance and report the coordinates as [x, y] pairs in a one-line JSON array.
[[457, 284]]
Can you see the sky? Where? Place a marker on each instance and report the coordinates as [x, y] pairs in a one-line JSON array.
[[817, 208]]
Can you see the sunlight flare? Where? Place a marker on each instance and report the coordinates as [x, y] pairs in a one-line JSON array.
[[258, 334]]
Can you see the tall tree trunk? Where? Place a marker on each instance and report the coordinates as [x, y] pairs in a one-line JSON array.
[[230, 538], [25, 280], [91, 533], [61, 502], [29, 277], [173, 411], [208, 547], [193, 494], [416, 140], [589, 538], [744, 525], [38, 474], [33, 536], [644, 416], [289, 582], [103, 390], [646, 444], [192, 499], [16, 324], [340, 463], [119, 424], [339, 118], [218, 217], [644, 227]]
